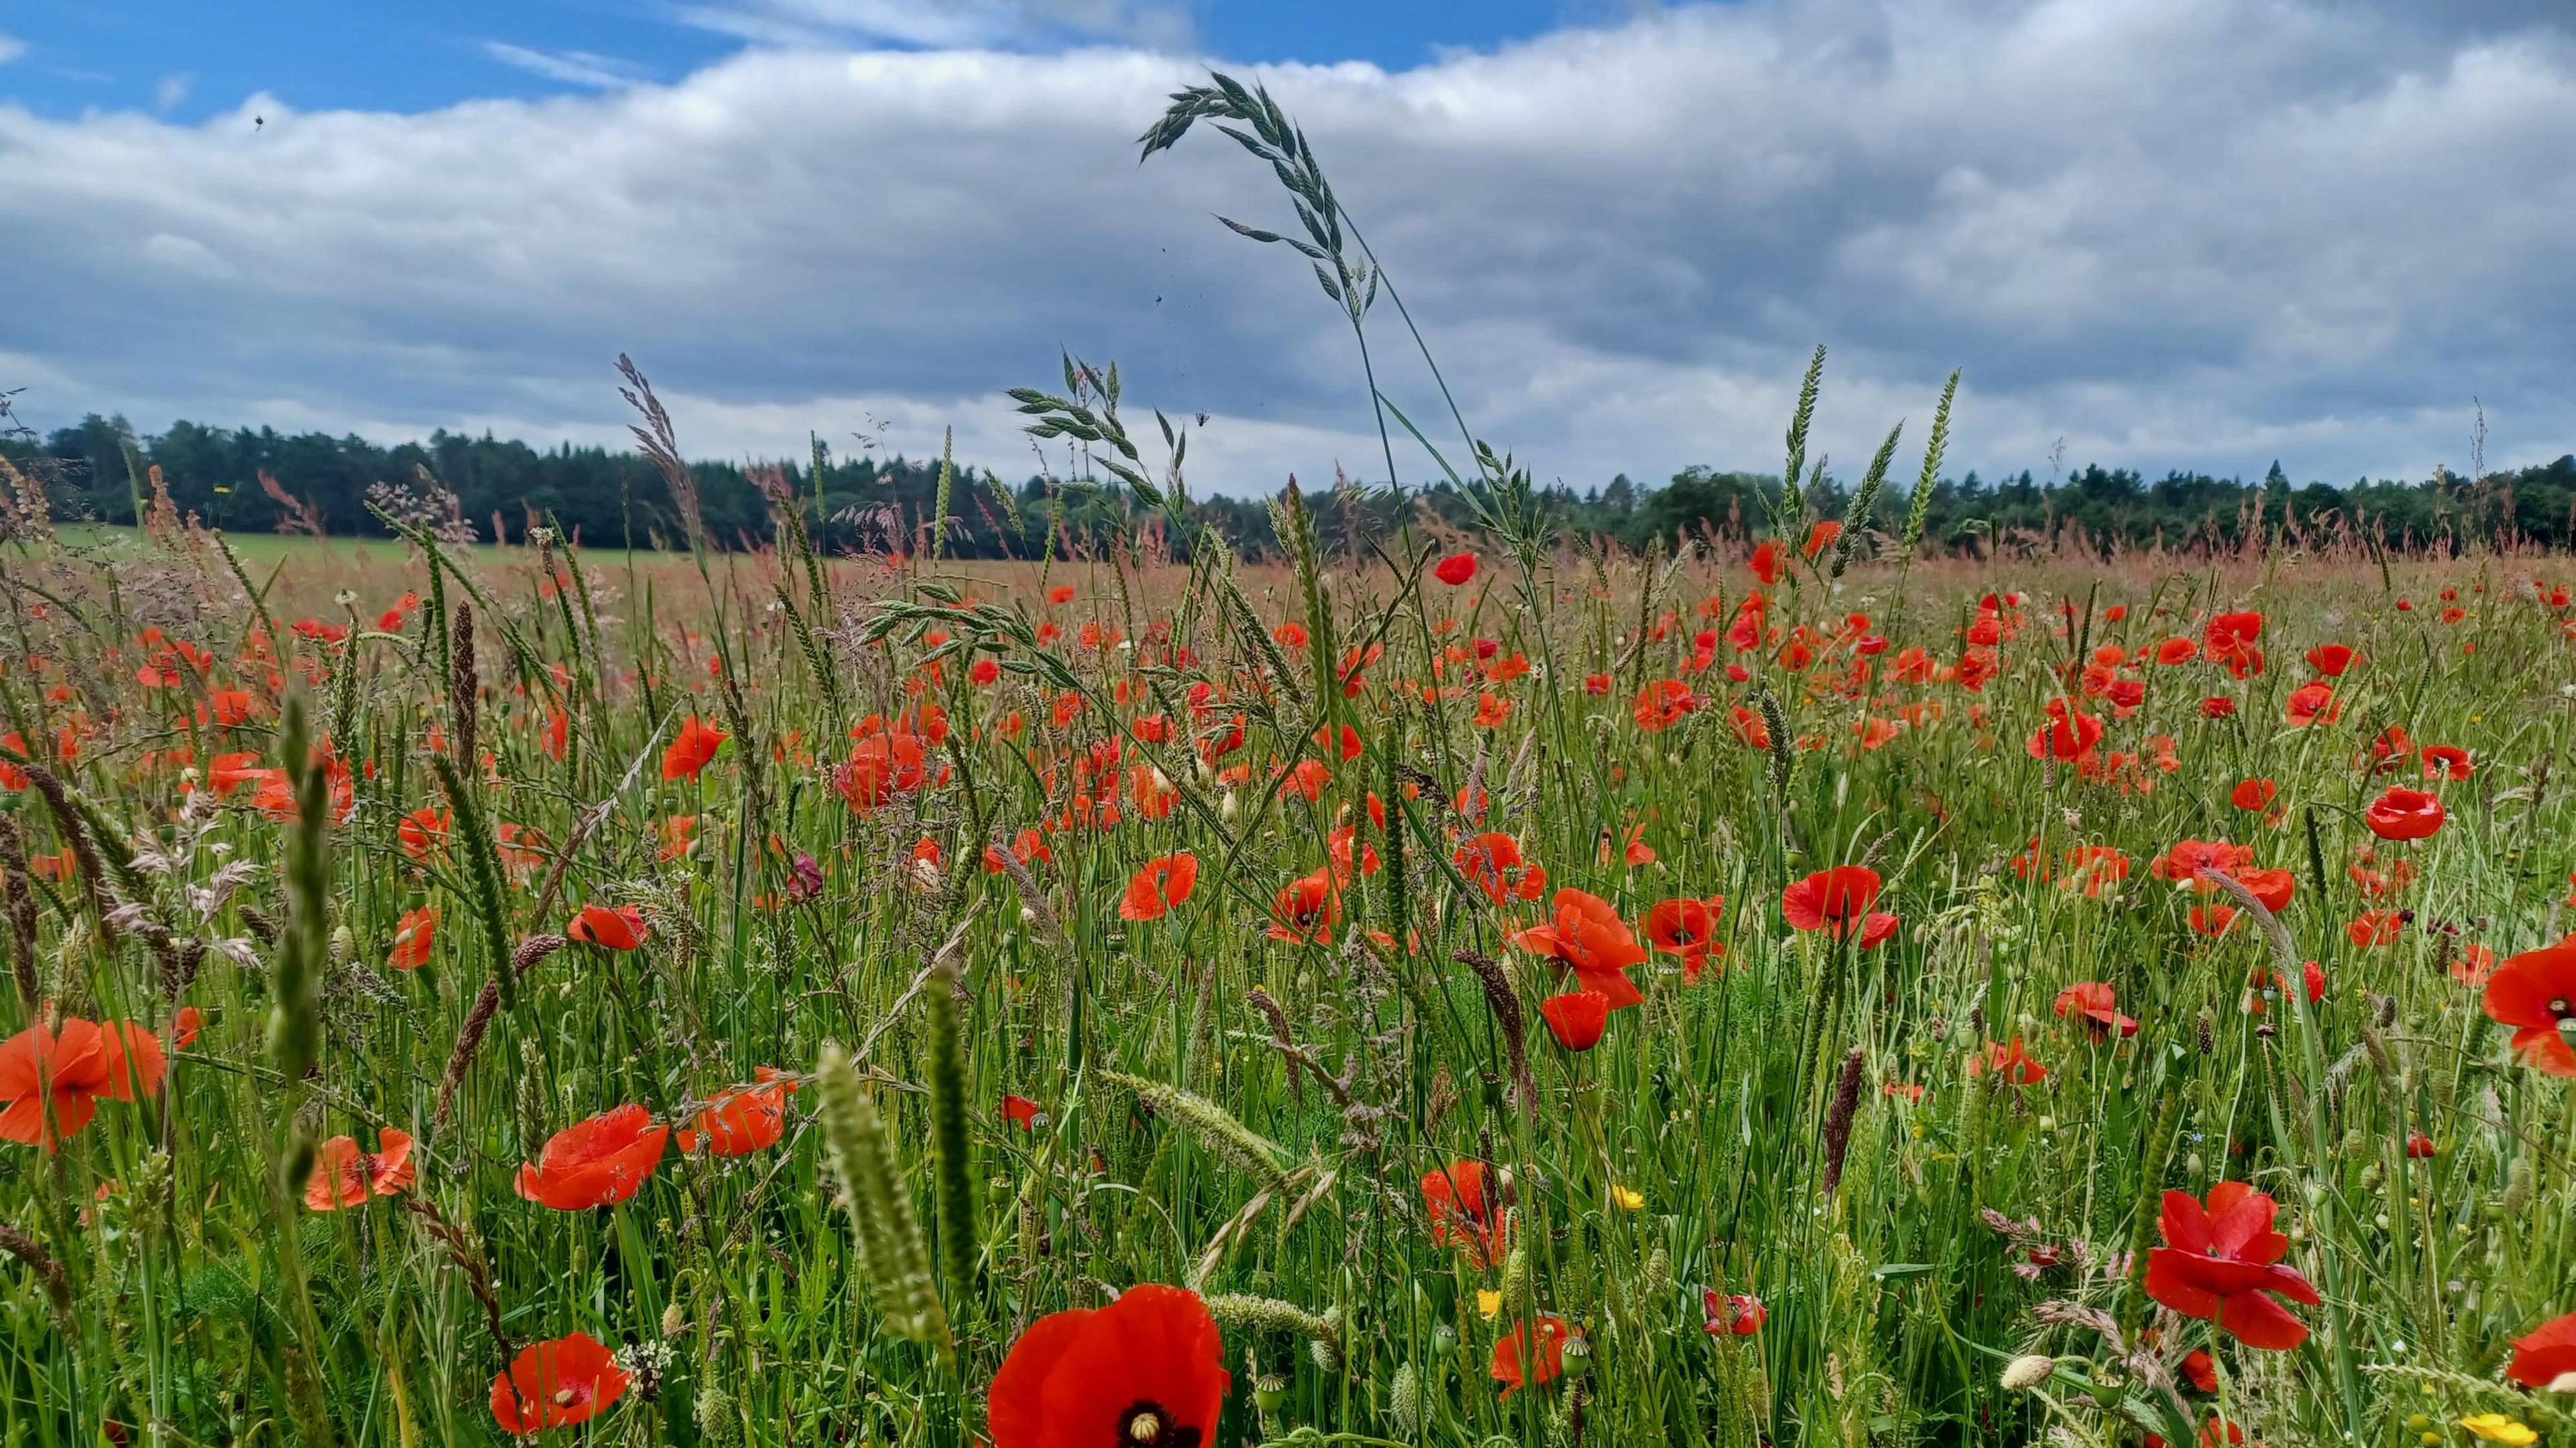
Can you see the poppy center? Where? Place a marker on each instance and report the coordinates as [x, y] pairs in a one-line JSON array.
[[566, 1397], [1148, 1424], [2561, 1009]]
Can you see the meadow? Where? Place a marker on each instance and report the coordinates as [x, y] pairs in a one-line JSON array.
[[1448, 989]]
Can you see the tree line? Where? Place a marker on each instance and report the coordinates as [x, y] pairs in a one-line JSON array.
[[261, 480]]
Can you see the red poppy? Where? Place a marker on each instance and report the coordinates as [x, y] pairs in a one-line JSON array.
[[2534, 992], [2273, 887], [1493, 863], [2097, 1003], [2547, 1358], [1766, 561], [2253, 795], [2212, 919], [1832, 900], [1577, 1018], [1158, 885], [344, 1176], [2217, 706], [1020, 1111], [1523, 1358], [1588, 937], [692, 749], [599, 1161], [1464, 1215], [2375, 927], [421, 831], [2069, 735], [1455, 569], [1687, 928], [556, 1384], [1143, 1372], [2404, 814], [2446, 761], [184, 1027], [413, 935], [2191, 860], [2312, 703], [1662, 704], [2177, 651], [1306, 910], [743, 1120], [2012, 1062], [2220, 1264], [53, 1082], [2330, 659], [2200, 1370], [619, 929], [1819, 538], [1738, 1314]]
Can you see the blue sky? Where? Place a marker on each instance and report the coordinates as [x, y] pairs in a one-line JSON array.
[[2199, 234], [186, 59]]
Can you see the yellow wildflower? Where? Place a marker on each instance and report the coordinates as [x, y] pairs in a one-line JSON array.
[[2497, 1428]]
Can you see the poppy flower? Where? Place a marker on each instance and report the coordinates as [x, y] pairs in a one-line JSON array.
[[556, 1385], [2418, 1144], [2217, 706], [344, 1176], [2200, 1370], [2446, 761], [1492, 862], [1158, 885], [69, 1072], [1576, 1018], [2013, 1063], [1464, 1215], [2190, 860], [1662, 704], [693, 749], [421, 831], [1305, 910], [2069, 735], [1687, 928], [1143, 1372], [596, 1162], [184, 1027], [2219, 1264], [1455, 569], [2177, 651], [1020, 1111], [1586, 936], [2312, 703], [2093, 1001], [2375, 927], [413, 935], [1832, 900], [744, 1119], [2404, 814], [619, 929], [2253, 795], [2534, 992], [1766, 561], [2547, 1358], [2272, 887], [1527, 1358], [1819, 538], [1739, 1314], [2330, 659]]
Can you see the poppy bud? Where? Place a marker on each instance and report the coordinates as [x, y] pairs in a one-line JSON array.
[[1269, 1393], [1577, 1356]]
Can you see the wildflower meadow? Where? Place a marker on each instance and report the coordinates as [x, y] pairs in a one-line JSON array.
[[1792, 984]]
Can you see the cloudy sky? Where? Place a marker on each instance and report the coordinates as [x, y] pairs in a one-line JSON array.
[[2159, 233]]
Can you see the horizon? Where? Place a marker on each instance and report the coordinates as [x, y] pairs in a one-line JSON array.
[[2283, 232]]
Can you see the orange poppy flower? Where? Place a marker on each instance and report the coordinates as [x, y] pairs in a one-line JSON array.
[[595, 1162], [1588, 937], [1306, 910], [1492, 862], [1144, 1371], [744, 1119], [1576, 1018], [2375, 927], [413, 935], [1465, 1215], [1662, 704], [556, 1385], [2097, 1004], [619, 929], [53, 1082], [2534, 992], [2219, 1264], [344, 1176], [2013, 1063], [421, 831], [692, 749], [1158, 885], [1528, 1357], [1687, 928]]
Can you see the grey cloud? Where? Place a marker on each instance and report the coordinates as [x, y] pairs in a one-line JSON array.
[[2172, 232]]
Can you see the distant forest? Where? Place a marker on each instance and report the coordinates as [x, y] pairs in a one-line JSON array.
[[100, 469]]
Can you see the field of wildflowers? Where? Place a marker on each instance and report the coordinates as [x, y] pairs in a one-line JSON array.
[[1449, 990]]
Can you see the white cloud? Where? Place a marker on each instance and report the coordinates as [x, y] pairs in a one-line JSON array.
[[11, 47], [944, 24], [2193, 233], [171, 91], [571, 67]]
